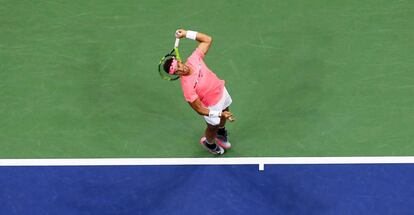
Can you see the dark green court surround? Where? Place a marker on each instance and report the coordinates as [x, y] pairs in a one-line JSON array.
[[308, 78]]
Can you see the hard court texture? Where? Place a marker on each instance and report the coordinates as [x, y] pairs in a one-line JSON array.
[[308, 78]]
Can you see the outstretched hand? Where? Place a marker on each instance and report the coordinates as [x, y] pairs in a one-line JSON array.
[[228, 115]]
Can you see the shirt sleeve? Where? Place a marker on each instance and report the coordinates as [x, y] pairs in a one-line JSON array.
[[189, 92], [190, 95]]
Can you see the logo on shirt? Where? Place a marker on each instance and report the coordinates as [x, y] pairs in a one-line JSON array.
[[200, 75]]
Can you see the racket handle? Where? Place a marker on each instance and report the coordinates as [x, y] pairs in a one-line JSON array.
[[177, 42]]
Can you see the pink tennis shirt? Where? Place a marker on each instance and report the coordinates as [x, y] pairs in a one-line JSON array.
[[202, 83]]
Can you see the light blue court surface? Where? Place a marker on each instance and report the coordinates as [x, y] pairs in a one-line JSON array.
[[240, 189]]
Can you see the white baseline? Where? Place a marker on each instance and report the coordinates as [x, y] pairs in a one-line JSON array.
[[261, 161]]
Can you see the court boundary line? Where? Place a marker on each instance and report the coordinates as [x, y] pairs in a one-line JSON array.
[[260, 161]]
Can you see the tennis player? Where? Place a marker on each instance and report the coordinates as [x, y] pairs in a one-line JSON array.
[[204, 91]]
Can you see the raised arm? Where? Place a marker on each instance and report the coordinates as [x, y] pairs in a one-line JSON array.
[[203, 39]]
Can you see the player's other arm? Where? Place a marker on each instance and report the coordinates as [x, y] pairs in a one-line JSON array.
[[203, 39], [200, 109]]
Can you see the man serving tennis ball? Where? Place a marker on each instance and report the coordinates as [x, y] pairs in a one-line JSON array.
[[205, 93]]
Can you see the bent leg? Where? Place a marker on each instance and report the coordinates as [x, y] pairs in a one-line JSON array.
[[211, 132]]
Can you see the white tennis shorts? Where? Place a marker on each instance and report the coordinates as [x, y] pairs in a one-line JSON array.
[[224, 102]]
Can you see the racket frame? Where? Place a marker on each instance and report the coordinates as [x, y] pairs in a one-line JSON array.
[[175, 54]]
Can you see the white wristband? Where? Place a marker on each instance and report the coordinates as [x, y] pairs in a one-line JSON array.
[[213, 113], [191, 35]]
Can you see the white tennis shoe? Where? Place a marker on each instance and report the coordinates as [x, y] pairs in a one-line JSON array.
[[218, 150]]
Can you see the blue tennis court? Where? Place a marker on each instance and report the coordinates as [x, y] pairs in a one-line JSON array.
[[216, 189]]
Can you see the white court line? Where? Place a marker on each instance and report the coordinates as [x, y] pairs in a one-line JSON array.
[[261, 161]]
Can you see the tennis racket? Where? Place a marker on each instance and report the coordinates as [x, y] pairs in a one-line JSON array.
[[163, 68]]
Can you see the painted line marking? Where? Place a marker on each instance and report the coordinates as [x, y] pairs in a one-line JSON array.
[[261, 166], [261, 161]]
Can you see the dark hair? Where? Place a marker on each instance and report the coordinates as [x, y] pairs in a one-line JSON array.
[[167, 64]]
